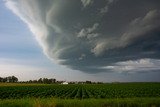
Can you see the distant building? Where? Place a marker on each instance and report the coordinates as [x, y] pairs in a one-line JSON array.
[[64, 82]]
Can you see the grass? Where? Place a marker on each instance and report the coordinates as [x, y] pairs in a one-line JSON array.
[[52, 102], [21, 84]]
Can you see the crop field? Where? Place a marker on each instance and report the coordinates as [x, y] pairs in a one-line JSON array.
[[80, 95], [83, 91], [52, 102]]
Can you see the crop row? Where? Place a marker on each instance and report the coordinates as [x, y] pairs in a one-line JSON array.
[[127, 90]]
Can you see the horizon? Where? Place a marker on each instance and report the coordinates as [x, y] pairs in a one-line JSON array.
[[100, 41]]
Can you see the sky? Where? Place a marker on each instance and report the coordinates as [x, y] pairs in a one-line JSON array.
[[79, 40]]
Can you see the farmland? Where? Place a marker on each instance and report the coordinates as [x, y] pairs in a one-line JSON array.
[[123, 90], [126, 93]]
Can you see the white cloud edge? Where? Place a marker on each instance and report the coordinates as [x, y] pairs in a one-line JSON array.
[[86, 3], [133, 66]]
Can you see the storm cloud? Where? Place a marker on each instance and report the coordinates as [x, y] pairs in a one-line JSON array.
[[94, 36]]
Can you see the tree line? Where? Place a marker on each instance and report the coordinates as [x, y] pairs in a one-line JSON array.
[[13, 79], [43, 80], [10, 79]]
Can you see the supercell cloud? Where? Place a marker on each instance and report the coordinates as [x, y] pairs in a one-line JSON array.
[[95, 35]]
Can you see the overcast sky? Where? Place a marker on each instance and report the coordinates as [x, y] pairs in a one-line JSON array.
[[98, 40]]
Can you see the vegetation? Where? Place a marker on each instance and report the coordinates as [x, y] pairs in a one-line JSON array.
[[13, 79], [10, 79], [52, 102], [83, 91], [50, 93]]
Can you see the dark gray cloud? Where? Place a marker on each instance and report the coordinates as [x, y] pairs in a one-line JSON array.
[[90, 35]]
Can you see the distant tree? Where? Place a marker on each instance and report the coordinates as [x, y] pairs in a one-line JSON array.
[[45, 80], [30, 81], [88, 82], [51, 80], [1, 79], [14, 79], [35, 81], [9, 79], [40, 80], [4, 79], [59, 82]]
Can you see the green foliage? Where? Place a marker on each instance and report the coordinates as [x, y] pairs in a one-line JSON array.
[[84, 95], [10, 79], [52, 102], [83, 91]]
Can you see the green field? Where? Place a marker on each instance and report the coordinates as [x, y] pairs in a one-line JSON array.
[[84, 91], [52, 102], [84, 95]]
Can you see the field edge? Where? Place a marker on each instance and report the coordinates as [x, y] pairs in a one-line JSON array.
[[55, 102]]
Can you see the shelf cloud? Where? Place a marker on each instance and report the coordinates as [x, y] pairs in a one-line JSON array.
[[88, 35]]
